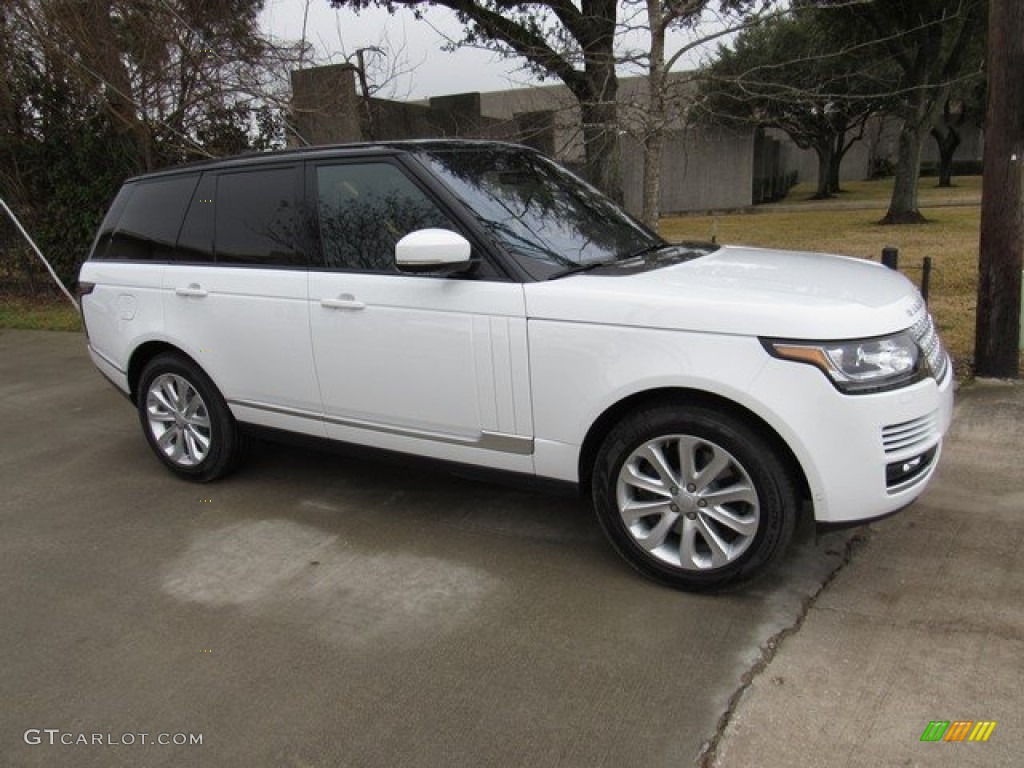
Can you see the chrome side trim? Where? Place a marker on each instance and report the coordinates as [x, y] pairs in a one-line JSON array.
[[488, 441], [504, 442]]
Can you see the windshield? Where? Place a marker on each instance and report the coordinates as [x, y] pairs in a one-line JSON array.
[[543, 215]]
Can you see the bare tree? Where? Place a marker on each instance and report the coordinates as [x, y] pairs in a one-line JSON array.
[[174, 75], [379, 69]]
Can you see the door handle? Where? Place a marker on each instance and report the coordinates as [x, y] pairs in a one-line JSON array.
[[192, 289], [344, 301]]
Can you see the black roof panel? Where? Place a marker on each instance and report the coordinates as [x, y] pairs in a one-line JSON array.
[[361, 149]]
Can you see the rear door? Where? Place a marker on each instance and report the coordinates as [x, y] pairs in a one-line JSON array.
[[235, 295], [431, 364]]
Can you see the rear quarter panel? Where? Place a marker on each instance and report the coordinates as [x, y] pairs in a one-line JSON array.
[[123, 310]]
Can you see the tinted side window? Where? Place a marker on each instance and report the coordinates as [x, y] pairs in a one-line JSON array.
[[195, 242], [257, 219], [149, 224], [106, 230], [365, 209]]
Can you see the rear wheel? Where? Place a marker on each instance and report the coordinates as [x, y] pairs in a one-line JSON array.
[[692, 497], [185, 419]]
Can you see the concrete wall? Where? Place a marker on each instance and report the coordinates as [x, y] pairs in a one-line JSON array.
[[325, 105], [702, 168], [393, 120], [562, 140], [705, 170], [328, 110]]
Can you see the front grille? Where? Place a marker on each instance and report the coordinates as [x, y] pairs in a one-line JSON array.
[[927, 337], [910, 435]]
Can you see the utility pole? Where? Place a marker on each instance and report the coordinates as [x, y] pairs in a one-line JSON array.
[[997, 339]]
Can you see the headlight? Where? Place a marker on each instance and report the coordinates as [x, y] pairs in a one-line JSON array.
[[858, 366]]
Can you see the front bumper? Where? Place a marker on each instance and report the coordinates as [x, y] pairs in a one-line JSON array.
[[864, 456]]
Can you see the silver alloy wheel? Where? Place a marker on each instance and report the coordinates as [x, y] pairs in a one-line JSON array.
[[178, 420], [688, 502]]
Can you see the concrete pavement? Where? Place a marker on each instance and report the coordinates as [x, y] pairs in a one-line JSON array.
[[314, 610], [926, 623]]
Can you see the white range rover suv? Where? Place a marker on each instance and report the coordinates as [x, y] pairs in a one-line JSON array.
[[473, 302]]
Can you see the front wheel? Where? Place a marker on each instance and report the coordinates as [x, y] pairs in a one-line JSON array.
[[692, 497], [185, 419]]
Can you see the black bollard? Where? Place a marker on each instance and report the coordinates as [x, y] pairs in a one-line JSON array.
[[891, 257]]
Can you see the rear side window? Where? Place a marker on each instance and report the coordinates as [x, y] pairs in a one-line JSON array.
[[148, 226], [257, 220], [106, 231], [365, 209]]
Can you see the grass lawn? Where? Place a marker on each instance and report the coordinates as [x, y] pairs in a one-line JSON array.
[[49, 313], [878, 191], [950, 237]]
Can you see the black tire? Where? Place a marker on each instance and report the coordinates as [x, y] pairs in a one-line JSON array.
[[182, 450], [682, 518]]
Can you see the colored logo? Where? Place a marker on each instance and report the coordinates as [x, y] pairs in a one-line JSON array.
[[958, 730]]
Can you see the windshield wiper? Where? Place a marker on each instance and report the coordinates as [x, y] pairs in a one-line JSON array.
[[631, 259], [577, 268], [647, 250]]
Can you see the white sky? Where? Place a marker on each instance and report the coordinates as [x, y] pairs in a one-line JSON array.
[[415, 47]]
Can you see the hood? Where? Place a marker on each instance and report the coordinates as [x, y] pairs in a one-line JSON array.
[[738, 290]]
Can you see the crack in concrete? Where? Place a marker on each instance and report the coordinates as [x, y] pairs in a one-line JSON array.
[[709, 749]]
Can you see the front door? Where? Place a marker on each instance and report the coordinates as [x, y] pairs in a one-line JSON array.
[[434, 365]]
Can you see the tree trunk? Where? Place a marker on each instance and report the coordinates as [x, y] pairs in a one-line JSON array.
[[369, 127], [839, 150], [601, 129], [947, 143], [824, 153], [654, 145], [654, 127], [833, 173], [601, 147], [903, 205], [997, 335]]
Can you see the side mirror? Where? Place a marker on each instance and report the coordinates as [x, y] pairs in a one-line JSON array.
[[432, 250]]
